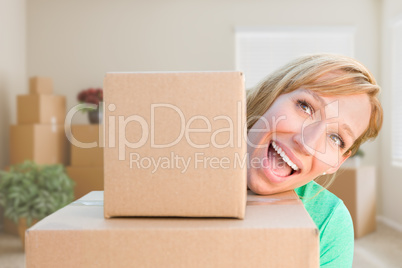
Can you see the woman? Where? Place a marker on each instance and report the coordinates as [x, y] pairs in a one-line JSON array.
[[305, 120]]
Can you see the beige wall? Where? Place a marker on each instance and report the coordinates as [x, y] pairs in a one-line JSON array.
[[12, 70], [12, 67], [76, 42]]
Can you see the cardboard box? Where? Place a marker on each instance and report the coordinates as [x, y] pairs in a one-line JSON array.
[[276, 232], [175, 144], [44, 144], [87, 179], [84, 157], [40, 85], [41, 109], [357, 188], [9, 226]]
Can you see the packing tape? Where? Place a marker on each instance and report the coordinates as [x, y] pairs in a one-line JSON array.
[[88, 203]]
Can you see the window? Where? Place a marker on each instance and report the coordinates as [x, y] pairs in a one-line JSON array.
[[261, 51]]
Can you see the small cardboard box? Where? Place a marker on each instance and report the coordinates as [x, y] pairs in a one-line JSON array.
[[175, 144], [44, 144], [276, 232], [90, 136], [357, 188], [41, 109], [40, 85], [87, 179], [9, 226]]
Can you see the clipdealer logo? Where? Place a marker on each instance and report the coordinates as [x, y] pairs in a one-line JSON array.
[[236, 130]]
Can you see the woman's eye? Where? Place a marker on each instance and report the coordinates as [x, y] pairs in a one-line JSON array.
[[337, 140], [305, 107]]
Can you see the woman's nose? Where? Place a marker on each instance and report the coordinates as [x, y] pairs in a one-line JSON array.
[[311, 138], [300, 148]]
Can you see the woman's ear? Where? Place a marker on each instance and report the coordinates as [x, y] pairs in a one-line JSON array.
[[335, 168]]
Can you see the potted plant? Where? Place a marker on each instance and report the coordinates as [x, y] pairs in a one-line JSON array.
[[30, 192], [92, 96]]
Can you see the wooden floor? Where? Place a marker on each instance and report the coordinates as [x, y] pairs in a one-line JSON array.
[[381, 249]]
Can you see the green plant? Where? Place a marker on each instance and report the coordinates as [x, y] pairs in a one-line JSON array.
[[32, 191]]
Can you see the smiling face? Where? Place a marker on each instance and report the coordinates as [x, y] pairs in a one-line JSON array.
[[302, 135]]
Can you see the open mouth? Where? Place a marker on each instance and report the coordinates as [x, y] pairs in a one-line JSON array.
[[279, 163]]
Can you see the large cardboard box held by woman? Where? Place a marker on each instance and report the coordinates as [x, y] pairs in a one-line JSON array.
[[276, 231], [175, 144]]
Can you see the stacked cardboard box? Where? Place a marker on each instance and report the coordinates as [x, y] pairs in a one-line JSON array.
[[175, 151], [86, 159], [276, 232], [175, 144], [39, 133]]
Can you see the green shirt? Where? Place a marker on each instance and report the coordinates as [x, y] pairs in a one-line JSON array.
[[333, 220]]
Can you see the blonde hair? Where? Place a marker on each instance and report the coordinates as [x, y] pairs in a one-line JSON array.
[[345, 76]]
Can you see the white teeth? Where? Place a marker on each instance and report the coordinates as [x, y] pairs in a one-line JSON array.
[[284, 156]]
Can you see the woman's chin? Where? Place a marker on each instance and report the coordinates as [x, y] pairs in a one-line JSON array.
[[255, 185], [266, 182]]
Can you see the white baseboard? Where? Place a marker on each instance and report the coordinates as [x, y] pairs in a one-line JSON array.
[[390, 223]]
